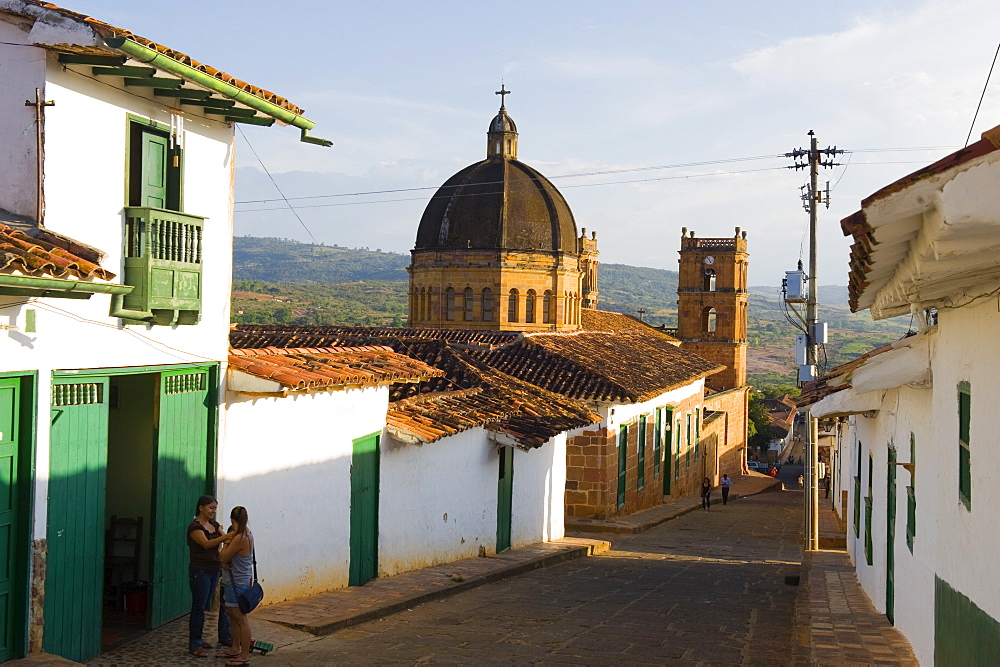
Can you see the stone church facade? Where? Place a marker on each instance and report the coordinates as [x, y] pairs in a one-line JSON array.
[[497, 249]]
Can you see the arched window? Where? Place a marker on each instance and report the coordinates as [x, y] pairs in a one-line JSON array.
[[529, 307], [547, 303], [487, 304], [709, 280], [468, 304], [508, 145], [449, 304], [709, 321], [512, 306]]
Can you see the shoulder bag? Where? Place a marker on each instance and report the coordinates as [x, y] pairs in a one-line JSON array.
[[251, 597]]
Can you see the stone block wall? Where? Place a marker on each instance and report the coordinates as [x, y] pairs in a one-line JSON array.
[[587, 473]]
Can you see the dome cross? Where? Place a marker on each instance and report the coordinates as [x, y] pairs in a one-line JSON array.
[[503, 92]]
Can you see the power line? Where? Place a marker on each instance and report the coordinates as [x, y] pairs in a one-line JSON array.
[[366, 193], [483, 194], [564, 187], [981, 97], [288, 203], [591, 173]]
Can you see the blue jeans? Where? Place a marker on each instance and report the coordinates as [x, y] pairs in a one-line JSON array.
[[202, 585]]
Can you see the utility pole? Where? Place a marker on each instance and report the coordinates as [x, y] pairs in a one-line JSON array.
[[39, 104], [815, 335]]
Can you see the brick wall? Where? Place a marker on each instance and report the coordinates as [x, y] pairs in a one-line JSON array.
[[731, 427]]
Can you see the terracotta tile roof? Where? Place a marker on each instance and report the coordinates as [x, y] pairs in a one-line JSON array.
[[603, 320], [286, 334], [840, 375], [34, 251], [857, 225], [106, 30], [466, 394], [630, 366], [312, 368], [527, 413]]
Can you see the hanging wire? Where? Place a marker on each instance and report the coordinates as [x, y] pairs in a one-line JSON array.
[[273, 182], [981, 97]]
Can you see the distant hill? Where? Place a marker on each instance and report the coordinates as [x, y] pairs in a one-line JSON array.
[[287, 261], [279, 280]]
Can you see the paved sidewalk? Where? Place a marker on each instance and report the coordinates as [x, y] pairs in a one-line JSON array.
[[639, 522], [836, 621]]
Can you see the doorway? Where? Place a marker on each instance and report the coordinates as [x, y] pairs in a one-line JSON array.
[[130, 452], [505, 498], [364, 510], [128, 506]]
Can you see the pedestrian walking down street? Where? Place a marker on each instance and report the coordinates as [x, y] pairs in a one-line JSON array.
[[706, 495], [724, 484]]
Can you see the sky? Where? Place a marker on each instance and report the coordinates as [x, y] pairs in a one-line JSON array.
[[648, 116]]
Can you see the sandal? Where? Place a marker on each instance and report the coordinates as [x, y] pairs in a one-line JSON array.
[[226, 654], [199, 652], [238, 663]]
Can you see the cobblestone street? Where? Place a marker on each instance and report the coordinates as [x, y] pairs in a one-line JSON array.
[[708, 587]]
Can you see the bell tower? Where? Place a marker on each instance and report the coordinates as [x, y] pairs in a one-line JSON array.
[[712, 304]]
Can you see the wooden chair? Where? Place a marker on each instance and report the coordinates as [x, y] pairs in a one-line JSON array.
[[123, 544]]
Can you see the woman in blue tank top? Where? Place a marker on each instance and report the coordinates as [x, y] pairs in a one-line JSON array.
[[237, 561]]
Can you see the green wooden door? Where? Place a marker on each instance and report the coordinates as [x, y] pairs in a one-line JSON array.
[[364, 510], [155, 156], [10, 532], [668, 442], [74, 577], [622, 462], [505, 498], [890, 538], [181, 475]]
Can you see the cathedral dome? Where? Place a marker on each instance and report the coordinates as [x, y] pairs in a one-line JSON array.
[[498, 204]]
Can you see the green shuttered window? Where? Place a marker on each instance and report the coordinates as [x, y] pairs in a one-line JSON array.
[[641, 446], [622, 462], [657, 442], [964, 458], [911, 498]]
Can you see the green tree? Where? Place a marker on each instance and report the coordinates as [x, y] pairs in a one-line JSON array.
[[758, 423]]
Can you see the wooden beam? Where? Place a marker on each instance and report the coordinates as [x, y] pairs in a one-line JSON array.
[[83, 59], [154, 82], [191, 93], [143, 72], [256, 120], [210, 102]]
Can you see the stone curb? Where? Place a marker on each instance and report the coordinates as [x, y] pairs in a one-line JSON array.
[[625, 529], [386, 609]]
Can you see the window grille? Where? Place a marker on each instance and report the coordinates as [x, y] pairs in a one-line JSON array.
[[84, 393]]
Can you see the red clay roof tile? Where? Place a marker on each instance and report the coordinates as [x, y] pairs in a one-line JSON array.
[[106, 30], [330, 367], [50, 256]]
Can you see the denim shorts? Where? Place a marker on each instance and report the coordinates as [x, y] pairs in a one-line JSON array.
[[229, 590]]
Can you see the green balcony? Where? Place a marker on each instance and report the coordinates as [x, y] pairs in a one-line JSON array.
[[163, 251]]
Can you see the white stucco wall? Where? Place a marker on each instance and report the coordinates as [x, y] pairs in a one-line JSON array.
[[288, 461], [538, 510], [956, 543], [623, 413], [965, 353], [22, 69], [904, 410], [437, 502], [85, 177]]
